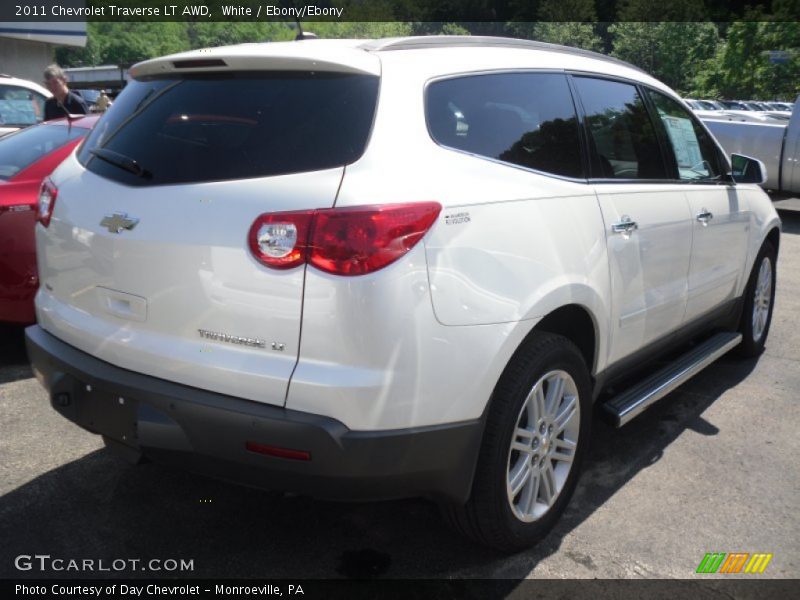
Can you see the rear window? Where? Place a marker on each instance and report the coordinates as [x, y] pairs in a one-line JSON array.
[[20, 107], [23, 148], [236, 126]]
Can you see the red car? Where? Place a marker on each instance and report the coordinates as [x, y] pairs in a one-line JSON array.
[[27, 157]]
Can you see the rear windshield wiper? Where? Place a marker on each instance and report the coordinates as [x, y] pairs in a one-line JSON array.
[[121, 161]]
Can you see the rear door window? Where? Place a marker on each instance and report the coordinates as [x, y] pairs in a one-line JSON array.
[[246, 125], [620, 131], [526, 119]]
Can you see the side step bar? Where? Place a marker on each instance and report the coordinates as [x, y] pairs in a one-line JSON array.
[[634, 401]]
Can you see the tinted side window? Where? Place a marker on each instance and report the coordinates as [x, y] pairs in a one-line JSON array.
[[695, 153], [527, 119], [621, 131]]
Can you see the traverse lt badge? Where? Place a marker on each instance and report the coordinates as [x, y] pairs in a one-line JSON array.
[[118, 221]]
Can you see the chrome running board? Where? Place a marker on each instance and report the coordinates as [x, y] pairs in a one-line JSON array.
[[634, 401]]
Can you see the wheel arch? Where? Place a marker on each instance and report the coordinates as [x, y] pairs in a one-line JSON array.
[[578, 325], [774, 238]]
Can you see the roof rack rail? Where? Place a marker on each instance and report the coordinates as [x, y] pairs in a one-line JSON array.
[[453, 41]]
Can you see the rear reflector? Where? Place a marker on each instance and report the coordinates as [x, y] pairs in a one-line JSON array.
[[47, 200], [343, 241], [276, 451]]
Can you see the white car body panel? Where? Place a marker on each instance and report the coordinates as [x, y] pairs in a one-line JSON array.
[[648, 269], [714, 276], [186, 279], [373, 371], [763, 219], [341, 56]]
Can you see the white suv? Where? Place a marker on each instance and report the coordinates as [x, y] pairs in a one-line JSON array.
[[21, 103], [393, 268]]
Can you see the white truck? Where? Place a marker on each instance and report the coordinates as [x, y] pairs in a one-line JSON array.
[[776, 145]]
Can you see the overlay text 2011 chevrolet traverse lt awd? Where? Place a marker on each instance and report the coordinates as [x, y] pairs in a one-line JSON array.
[[403, 267]]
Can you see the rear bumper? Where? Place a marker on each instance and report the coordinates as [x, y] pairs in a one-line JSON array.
[[206, 432]]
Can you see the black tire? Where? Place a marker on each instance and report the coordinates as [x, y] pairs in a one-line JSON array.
[[753, 341], [488, 516]]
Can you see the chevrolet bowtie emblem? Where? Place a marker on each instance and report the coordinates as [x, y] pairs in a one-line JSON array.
[[118, 221]]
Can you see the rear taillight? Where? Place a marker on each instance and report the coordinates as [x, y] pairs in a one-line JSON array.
[[343, 241], [47, 200]]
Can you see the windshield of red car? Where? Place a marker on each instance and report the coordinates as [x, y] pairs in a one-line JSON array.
[[23, 148]]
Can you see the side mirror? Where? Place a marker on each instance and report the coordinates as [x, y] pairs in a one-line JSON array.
[[748, 170]]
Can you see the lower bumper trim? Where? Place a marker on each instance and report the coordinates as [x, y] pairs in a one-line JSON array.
[[208, 433]]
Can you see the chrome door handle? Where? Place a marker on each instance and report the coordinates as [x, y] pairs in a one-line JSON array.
[[704, 216], [625, 226]]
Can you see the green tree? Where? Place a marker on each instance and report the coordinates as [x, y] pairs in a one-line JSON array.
[[357, 29], [743, 68], [673, 11], [567, 22], [209, 35], [125, 43], [129, 43], [670, 51], [454, 29]]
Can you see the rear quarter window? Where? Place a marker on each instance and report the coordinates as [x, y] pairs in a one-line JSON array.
[[525, 119], [237, 126]]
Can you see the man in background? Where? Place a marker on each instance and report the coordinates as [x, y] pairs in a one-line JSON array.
[[63, 102]]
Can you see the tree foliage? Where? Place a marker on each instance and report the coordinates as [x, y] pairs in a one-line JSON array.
[[693, 56], [670, 51], [742, 67]]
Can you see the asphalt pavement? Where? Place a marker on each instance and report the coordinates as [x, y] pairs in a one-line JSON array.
[[713, 467]]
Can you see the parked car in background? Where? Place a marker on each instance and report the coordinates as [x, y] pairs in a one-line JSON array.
[[700, 104], [763, 109], [784, 106], [776, 144], [757, 105], [703, 108], [26, 157], [733, 105], [21, 103], [747, 112], [97, 101], [715, 104], [89, 97], [478, 238], [744, 113]]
